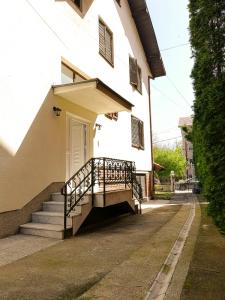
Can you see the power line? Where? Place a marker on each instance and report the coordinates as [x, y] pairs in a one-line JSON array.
[[167, 140], [179, 92], [166, 131], [176, 46], [164, 95]]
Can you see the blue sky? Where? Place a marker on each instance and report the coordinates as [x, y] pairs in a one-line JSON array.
[[172, 95]]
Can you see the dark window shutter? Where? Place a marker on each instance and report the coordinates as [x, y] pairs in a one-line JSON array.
[[133, 71], [108, 45], [101, 38], [105, 42], [134, 130], [137, 132], [141, 134], [139, 80]]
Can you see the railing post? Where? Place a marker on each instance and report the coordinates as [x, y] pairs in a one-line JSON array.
[[104, 180], [65, 208], [92, 180], [140, 207], [132, 182], [125, 176]]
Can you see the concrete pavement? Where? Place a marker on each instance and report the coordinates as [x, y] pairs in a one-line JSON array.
[[117, 261]]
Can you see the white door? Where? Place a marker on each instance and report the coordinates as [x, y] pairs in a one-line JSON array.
[[77, 153]]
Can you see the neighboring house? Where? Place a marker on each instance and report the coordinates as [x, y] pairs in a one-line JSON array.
[[75, 84], [187, 146]]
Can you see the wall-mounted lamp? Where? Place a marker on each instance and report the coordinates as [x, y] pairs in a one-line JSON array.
[[57, 111], [98, 126]]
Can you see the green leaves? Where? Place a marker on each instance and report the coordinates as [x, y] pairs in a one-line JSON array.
[[207, 31], [171, 160]]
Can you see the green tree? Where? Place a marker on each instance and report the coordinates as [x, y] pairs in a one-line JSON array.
[[171, 160], [207, 31]]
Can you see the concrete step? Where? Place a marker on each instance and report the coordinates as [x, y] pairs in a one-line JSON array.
[[56, 206], [48, 217], [46, 230], [58, 197]]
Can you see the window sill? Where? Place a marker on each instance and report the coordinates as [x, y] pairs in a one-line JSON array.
[[138, 147]]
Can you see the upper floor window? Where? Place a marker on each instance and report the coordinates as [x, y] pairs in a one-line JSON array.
[[105, 42], [135, 74], [112, 116], [68, 75], [137, 133]]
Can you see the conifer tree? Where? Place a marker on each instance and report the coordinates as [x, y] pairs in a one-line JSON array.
[[207, 36]]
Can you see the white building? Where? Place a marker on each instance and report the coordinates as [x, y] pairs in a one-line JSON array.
[[187, 146], [80, 59]]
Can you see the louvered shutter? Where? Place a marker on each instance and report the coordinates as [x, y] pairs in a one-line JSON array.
[[108, 45], [101, 38], [139, 81], [134, 131], [141, 134], [133, 71], [137, 132]]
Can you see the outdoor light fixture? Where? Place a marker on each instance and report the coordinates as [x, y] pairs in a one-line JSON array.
[[98, 126], [57, 111]]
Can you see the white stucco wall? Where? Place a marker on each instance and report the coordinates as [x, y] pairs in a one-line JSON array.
[[35, 36]]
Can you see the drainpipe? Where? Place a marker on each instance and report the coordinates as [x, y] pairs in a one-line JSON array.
[[151, 145]]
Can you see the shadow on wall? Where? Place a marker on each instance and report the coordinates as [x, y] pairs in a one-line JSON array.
[[38, 161]]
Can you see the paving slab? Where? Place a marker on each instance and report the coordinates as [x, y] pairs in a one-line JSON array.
[[18, 246]]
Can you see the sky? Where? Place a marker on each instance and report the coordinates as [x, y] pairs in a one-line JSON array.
[[172, 95]]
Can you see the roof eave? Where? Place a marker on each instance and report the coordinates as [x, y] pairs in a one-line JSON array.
[[147, 35]]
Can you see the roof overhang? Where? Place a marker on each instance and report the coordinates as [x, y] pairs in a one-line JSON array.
[[93, 95], [148, 39]]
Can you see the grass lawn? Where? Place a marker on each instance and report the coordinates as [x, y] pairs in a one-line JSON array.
[[163, 195], [206, 276]]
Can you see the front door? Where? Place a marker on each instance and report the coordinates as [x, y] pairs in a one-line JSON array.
[[77, 154]]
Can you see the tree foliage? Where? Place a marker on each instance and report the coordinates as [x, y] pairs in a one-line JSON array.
[[171, 160], [207, 30]]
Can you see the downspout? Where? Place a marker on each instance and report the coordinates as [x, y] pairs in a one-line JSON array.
[[151, 144]]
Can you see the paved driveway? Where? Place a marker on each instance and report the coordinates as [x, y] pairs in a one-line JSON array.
[[117, 261]]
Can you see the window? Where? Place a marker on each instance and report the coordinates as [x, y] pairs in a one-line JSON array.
[[137, 132], [78, 3], [105, 42], [112, 116], [135, 74], [68, 75]]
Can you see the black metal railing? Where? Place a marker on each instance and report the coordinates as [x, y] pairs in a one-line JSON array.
[[99, 174], [137, 191]]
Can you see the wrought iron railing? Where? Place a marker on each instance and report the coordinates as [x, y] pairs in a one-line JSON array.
[[137, 191], [99, 174]]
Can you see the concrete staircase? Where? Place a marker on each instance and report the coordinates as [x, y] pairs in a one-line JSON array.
[[49, 222]]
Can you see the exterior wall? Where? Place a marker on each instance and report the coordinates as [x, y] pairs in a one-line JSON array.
[[39, 35], [188, 153]]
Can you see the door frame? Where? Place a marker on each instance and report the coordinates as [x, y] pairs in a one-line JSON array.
[[80, 120]]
